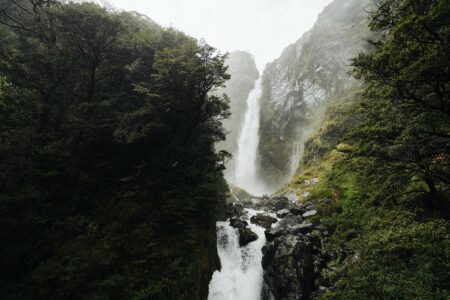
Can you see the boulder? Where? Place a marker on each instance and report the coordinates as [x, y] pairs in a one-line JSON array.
[[303, 228], [310, 213], [238, 223], [263, 220], [273, 233], [290, 220], [282, 213], [281, 203], [234, 210], [246, 236], [297, 210]]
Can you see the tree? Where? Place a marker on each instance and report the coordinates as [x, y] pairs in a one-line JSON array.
[[406, 113]]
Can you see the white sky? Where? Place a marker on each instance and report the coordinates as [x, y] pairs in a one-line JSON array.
[[262, 27]]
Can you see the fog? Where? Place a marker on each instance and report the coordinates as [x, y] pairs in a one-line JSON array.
[[262, 27]]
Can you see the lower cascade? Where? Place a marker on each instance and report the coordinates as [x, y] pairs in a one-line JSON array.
[[241, 277]]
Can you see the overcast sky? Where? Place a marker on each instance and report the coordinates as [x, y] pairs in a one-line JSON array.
[[262, 27]]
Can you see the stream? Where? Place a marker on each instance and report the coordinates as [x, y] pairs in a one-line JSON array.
[[241, 277]]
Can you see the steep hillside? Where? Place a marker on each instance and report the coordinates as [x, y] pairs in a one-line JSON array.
[[381, 155], [309, 73], [109, 182], [243, 71]]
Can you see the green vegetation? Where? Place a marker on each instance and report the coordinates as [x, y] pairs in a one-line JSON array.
[[385, 188], [109, 182]]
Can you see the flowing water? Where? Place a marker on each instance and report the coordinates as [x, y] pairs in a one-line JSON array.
[[247, 154], [241, 277]]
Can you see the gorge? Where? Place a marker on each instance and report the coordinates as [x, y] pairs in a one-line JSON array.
[[138, 161]]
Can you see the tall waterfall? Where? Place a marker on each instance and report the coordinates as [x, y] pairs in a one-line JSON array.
[[246, 158], [241, 277]]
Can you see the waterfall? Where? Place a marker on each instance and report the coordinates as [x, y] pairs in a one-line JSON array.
[[241, 277], [246, 158]]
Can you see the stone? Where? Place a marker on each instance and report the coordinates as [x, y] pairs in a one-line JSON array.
[[297, 211], [281, 203], [303, 228], [310, 213], [238, 223], [246, 236], [273, 233], [282, 213], [263, 220], [290, 220], [234, 210]]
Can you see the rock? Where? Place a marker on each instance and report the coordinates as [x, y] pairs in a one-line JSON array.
[[246, 236], [282, 213], [297, 211], [238, 223], [273, 233], [310, 213], [303, 228], [288, 268], [281, 203], [234, 210], [263, 220], [290, 220]]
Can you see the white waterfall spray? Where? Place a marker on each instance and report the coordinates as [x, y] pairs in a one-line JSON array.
[[241, 277], [246, 159]]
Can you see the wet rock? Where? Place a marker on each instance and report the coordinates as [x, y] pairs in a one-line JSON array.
[[238, 223], [234, 210], [288, 267], [310, 213], [303, 228], [281, 203], [273, 233], [246, 236], [282, 213], [263, 220], [290, 220]]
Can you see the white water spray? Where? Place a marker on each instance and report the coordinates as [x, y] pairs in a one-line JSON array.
[[246, 159], [241, 277]]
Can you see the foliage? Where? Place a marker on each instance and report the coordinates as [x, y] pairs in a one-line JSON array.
[[109, 182], [386, 199]]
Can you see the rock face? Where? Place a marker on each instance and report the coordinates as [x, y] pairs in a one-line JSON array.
[[288, 267], [309, 73], [294, 258]]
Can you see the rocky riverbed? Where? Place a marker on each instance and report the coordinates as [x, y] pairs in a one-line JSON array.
[[293, 257]]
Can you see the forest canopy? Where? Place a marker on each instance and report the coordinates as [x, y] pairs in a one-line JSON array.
[[109, 182]]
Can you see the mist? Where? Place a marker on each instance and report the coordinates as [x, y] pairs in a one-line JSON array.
[[262, 27]]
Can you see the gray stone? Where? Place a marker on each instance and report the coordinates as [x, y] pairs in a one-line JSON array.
[[290, 220], [273, 233], [282, 213], [281, 203], [303, 228], [310, 213]]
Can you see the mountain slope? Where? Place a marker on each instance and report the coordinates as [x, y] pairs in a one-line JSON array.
[[309, 73]]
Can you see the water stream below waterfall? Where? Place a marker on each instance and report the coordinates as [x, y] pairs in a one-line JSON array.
[[241, 277]]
